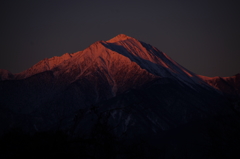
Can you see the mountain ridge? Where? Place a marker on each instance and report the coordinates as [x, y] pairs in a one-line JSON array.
[[147, 57], [50, 63], [119, 42], [119, 99]]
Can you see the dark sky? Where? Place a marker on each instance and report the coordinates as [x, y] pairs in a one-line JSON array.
[[201, 35]]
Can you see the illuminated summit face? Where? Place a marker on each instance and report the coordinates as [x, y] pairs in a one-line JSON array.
[[120, 59], [119, 37], [122, 47]]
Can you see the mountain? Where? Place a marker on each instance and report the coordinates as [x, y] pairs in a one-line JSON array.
[[5, 75], [228, 85], [120, 98]]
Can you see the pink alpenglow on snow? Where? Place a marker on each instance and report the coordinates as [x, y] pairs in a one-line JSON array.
[[116, 57]]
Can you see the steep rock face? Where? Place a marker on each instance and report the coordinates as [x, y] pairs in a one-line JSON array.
[[148, 57], [100, 62]]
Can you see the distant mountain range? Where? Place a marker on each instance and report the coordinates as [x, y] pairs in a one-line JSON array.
[[120, 98]]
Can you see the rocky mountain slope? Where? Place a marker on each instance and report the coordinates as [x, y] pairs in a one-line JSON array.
[[120, 98]]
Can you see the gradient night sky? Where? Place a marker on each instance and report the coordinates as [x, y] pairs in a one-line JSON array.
[[201, 35]]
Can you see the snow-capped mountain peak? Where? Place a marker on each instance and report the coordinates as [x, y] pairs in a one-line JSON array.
[[122, 47], [121, 97], [103, 55]]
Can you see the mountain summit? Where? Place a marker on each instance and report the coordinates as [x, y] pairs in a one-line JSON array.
[[122, 48], [121, 98], [119, 37]]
